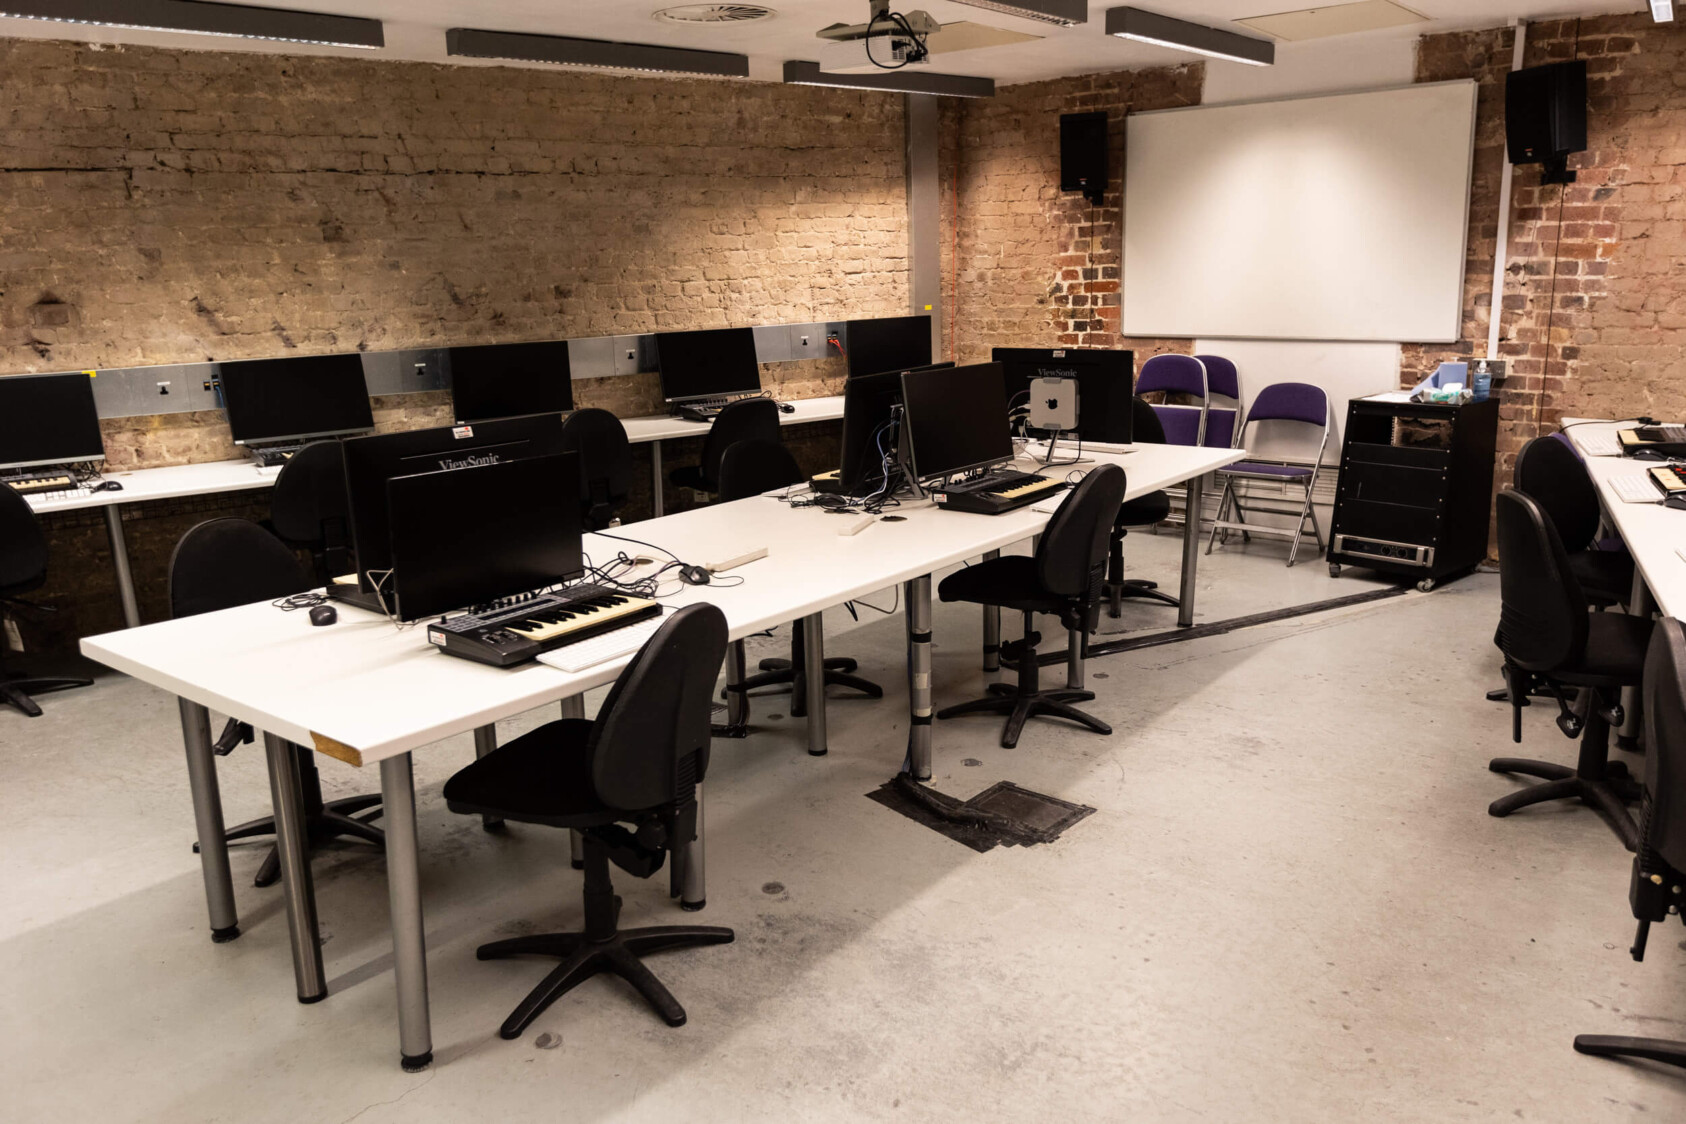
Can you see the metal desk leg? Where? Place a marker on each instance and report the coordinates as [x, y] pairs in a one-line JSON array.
[[403, 887], [1641, 604], [992, 628], [485, 741], [813, 664], [207, 820], [656, 478], [737, 700], [120, 563], [1191, 551], [693, 894], [916, 595], [296, 883], [574, 707]]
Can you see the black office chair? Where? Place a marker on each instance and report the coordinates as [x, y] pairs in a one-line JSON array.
[[23, 567], [220, 564], [1548, 632], [1658, 886], [1143, 511], [1064, 577], [638, 763], [750, 468], [605, 464], [750, 419], [1548, 471], [309, 510]]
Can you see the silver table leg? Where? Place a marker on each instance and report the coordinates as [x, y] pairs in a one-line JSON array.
[[916, 596], [656, 478], [992, 628], [1191, 551], [485, 741], [409, 937], [296, 883], [574, 707], [207, 820], [1641, 604], [120, 563], [813, 664], [693, 894], [737, 670]]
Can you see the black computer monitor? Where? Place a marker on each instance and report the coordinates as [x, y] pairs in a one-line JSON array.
[[48, 419], [1105, 380], [371, 461], [868, 402], [707, 364], [291, 399], [467, 536], [955, 419], [894, 343], [505, 380]]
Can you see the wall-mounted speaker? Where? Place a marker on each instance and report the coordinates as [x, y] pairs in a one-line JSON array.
[[1083, 154], [1545, 117]]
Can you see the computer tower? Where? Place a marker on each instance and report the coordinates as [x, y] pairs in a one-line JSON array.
[[1545, 117], [1083, 154]]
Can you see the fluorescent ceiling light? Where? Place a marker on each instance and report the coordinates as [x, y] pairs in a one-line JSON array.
[[195, 17], [1662, 11], [465, 42], [1066, 13], [1163, 31], [892, 81]]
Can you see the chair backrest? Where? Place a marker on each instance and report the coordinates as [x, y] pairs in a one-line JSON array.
[[747, 420], [605, 464], [1299, 402], [1144, 423], [23, 545], [1072, 554], [1542, 611], [1552, 475], [1177, 374], [309, 505], [1664, 831], [649, 745], [1221, 376], [752, 467], [221, 563]]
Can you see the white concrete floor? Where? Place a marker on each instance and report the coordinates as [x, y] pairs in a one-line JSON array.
[[1291, 905]]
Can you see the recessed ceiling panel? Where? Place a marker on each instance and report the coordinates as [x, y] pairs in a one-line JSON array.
[[1334, 19]]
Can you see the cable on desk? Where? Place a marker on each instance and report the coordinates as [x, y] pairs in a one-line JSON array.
[[298, 601]]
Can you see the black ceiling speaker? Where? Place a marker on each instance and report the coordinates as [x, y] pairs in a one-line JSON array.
[[1083, 154], [1545, 117]]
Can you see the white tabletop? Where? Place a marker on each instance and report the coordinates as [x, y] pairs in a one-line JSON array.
[[662, 427], [1654, 534], [362, 689], [163, 484]]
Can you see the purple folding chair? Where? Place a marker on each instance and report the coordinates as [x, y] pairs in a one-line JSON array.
[[1223, 423], [1282, 401], [1177, 374]]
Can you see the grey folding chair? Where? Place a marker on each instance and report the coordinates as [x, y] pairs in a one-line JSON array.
[[1296, 402]]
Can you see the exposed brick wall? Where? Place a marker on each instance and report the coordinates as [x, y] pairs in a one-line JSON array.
[[1594, 316], [1038, 267]]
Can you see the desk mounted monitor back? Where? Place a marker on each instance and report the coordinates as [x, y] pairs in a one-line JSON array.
[[1105, 379], [954, 420], [48, 419], [893, 343], [506, 380], [293, 399], [868, 405], [466, 536], [707, 364], [371, 461]]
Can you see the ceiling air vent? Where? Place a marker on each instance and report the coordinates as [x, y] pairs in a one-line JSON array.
[[715, 13]]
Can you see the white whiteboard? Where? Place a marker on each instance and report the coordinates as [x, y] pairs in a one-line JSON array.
[[1340, 217]]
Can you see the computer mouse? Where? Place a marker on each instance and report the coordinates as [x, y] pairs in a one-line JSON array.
[[695, 575], [1677, 502], [323, 614], [1648, 455], [108, 486], [786, 408]]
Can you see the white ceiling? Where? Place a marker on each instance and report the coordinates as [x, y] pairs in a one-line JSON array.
[[415, 29]]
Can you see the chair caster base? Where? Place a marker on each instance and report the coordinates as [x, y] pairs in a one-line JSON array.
[[1621, 1046], [1608, 795]]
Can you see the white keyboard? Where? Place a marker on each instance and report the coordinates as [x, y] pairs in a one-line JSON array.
[[1600, 443], [1635, 487], [53, 499], [603, 647]]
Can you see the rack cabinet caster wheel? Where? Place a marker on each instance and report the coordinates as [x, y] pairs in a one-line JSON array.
[[1334, 569], [1426, 584]]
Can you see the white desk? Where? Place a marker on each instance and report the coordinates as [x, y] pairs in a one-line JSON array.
[[656, 428], [1653, 533], [365, 692]]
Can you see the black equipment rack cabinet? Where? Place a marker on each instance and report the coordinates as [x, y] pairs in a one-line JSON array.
[[1414, 511]]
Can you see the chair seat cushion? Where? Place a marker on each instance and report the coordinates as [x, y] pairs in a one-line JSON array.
[[1262, 471], [543, 776], [690, 476], [1606, 576], [1009, 582], [1144, 511], [1615, 652]]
